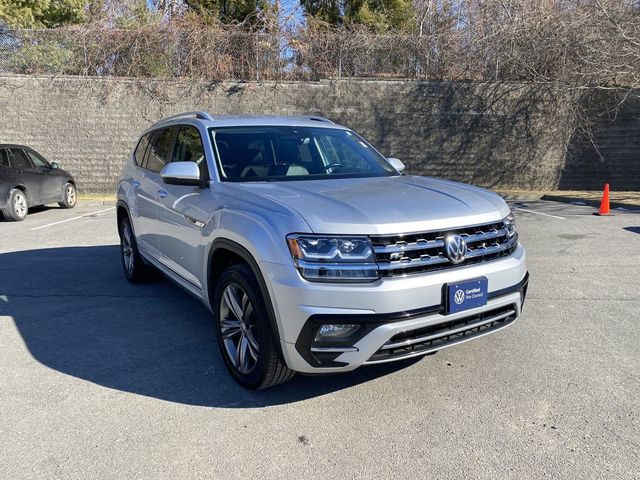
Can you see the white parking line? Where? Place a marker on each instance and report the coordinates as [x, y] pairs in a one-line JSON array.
[[74, 218], [540, 213]]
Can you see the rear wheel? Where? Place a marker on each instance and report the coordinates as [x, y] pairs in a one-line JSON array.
[[17, 206], [133, 265], [70, 196], [245, 338]]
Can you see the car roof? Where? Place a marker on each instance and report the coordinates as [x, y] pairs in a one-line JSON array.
[[13, 145], [248, 120]]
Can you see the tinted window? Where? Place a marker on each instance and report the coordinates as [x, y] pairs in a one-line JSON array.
[[141, 149], [160, 149], [4, 158], [295, 153], [189, 148], [18, 159], [37, 159]]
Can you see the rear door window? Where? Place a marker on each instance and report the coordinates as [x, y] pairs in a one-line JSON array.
[[160, 150], [19, 159]]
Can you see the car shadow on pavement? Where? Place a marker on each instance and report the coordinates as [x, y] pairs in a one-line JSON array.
[[632, 229], [34, 210], [78, 315]]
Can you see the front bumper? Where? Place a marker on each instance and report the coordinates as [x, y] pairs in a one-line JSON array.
[[399, 317]]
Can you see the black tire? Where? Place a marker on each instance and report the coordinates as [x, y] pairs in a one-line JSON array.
[[133, 266], [69, 196], [262, 367], [17, 207]]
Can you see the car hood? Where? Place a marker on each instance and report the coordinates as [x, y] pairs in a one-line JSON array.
[[59, 172], [384, 205]]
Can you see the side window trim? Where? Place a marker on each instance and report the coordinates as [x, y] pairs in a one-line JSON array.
[[174, 141]]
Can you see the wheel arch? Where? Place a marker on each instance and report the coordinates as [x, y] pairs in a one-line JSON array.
[[224, 253], [122, 211], [20, 187]]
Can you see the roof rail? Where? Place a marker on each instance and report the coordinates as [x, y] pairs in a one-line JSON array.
[[198, 114], [318, 118]]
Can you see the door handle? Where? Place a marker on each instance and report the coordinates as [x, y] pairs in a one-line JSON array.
[[135, 183], [163, 193]]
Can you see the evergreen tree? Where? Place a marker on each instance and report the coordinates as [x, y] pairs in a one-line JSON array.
[[378, 15], [42, 13], [228, 11]]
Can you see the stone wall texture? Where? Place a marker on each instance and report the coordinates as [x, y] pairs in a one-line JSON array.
[[509, 136]]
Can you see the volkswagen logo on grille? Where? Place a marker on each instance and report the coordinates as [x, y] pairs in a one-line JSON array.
[[455, 247], [458, 297]]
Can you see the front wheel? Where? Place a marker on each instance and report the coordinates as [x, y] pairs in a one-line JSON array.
[[17, 206], [244, 332], [70, 196]]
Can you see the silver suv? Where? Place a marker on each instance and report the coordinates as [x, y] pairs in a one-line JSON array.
[[312, 250]]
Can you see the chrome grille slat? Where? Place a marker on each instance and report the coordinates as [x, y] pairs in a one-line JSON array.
[[417, 262], [424, 251], [408, 247], [496, 248], [483, 236]]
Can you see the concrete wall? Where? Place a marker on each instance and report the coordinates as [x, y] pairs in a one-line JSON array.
[[496, 135], [610, 151]]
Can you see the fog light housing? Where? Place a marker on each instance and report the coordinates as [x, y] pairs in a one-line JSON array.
[[335, 331]]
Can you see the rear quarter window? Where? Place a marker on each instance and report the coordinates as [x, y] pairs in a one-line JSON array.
[[4, 158], [141, 149]]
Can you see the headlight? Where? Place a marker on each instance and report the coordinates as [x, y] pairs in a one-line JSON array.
[[510, 225], [333, 259]]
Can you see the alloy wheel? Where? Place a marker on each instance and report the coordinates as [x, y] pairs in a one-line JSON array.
[[71, 195], [127, 250], [20, 205], [238, 328]]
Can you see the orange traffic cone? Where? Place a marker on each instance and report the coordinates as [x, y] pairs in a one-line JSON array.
[[605, 210]]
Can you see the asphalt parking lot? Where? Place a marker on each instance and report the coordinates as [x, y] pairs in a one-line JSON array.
[[103, 379]]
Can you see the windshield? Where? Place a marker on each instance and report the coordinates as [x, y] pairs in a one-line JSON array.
[[278, 153]]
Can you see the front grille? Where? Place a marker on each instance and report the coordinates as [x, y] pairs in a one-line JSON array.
[[424, 252], [435, 337]]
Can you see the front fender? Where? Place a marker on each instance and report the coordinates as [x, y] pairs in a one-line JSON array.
[[256, 236]]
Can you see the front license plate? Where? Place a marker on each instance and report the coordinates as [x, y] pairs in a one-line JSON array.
[[465, 295]]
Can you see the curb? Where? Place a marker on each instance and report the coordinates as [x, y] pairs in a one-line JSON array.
[[591, 203], [89, 201]]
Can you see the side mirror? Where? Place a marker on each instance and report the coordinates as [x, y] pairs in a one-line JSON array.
[[181, 173], [397, 164], [54, 165]]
